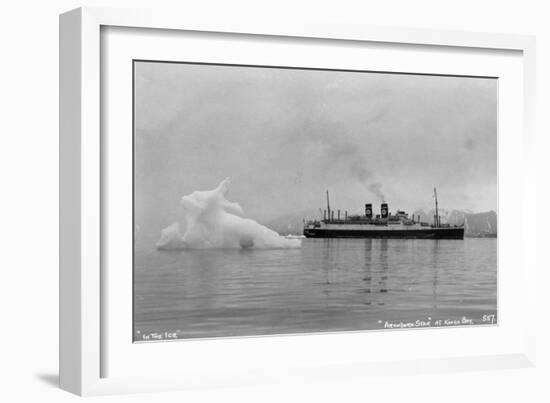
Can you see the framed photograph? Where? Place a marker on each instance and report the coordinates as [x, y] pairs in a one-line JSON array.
[[253, 202]]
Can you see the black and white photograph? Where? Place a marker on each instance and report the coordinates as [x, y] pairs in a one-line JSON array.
[[274, 200]]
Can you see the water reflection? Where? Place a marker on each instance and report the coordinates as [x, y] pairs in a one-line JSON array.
[[367, 278], [328, 284], [384, 267], [435, 269]]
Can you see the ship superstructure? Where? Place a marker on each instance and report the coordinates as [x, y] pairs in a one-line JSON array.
[[383, 225]]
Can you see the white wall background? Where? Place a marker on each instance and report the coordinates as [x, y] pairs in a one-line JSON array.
[[29, 201]]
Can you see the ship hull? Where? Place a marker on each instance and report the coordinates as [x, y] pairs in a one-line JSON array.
[[424, 233]]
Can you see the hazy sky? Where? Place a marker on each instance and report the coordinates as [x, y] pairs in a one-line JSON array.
[[284, 136]]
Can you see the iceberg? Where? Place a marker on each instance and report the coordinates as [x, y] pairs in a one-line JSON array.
[[212, 221]]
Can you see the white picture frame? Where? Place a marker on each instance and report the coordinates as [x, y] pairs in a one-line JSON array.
[[83, 309]]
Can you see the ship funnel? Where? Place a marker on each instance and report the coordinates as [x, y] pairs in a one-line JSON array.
[[368, 210], [384, 210]]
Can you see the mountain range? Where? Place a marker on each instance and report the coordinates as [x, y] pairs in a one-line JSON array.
[[476, 224]]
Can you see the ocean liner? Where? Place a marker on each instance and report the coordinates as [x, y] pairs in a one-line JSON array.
[[383, 225]]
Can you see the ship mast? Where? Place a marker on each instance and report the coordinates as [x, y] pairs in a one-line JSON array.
[[328, 206], [436, 218]]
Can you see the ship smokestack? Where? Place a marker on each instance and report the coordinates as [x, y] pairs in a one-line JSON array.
[[368, 210], [384, 210]]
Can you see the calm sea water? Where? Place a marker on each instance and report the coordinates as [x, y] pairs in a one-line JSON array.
[[327, 285]]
